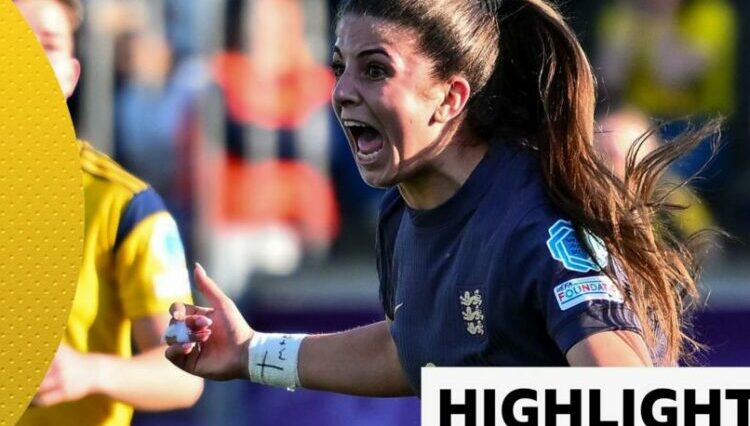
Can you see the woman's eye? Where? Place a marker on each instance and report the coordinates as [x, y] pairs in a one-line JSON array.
[[375, 72], [338, 69]]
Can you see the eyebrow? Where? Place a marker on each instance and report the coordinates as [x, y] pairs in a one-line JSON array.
[[366, 52]]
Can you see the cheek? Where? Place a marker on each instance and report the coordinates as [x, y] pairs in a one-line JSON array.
[[404, 116], [415, 131]]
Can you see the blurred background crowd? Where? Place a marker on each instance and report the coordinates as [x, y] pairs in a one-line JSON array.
[[223, 105]]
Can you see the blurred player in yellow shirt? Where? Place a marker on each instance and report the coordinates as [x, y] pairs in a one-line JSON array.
[[622, 129], [670, 58], [133, 267]]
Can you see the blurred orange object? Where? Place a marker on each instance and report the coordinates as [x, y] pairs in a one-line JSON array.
[[276, 83], [282, 100], [276, 192]]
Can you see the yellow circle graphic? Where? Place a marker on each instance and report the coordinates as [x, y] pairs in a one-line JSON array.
[[41, 214]]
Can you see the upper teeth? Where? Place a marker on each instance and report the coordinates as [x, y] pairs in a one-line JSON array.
[[352, 123]]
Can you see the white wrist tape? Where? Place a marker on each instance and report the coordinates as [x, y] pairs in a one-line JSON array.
[[273, 359]]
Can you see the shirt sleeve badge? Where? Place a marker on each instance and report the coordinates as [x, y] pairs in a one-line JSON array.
[[579, 290], [564, 247]]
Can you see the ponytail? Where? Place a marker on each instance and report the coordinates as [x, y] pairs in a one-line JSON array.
[[543, 87]]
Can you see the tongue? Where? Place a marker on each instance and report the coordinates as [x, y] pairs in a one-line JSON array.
[[369, 141]]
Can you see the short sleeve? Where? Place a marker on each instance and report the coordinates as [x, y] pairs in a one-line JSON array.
[[150, 267], [571, 291]]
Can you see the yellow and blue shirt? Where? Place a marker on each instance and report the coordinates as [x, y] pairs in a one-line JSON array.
[[133, 266]]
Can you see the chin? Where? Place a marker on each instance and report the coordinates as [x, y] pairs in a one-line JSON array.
[[376, 179]]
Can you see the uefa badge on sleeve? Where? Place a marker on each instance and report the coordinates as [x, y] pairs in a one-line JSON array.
[[564, 247]]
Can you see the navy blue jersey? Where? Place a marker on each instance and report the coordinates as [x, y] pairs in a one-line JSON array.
[[495, 276]]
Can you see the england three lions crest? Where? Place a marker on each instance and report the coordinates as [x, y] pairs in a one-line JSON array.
[[471, 311]]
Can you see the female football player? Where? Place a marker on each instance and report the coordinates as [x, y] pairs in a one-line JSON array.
[[503, 239]]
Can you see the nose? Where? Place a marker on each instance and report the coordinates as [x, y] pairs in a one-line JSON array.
[[345, 91]]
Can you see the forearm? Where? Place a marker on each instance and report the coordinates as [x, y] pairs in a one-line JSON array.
[[363, 361], [146, 381]]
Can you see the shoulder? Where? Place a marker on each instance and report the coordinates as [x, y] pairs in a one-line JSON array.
[[106, 172], [142, 206], [390, 210], [516, 208], [109, 189], [390, 203], [531, 227], [536, 221], [517, 198]]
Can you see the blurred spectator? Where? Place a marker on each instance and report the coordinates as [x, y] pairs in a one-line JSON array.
[[278, 85], [621, 130], [670, 58], [154, 101], [264, 216], [182, 21], [271, 199]]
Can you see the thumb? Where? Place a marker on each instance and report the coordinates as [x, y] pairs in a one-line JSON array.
[[208, 288]]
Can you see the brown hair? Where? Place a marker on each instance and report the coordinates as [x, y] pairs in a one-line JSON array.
[[74, 10], [533, 81]]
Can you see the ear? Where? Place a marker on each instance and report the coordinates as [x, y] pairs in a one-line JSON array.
[[454, 101], [69, 80]]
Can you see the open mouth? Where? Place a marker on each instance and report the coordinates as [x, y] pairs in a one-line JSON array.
[[368, 140]]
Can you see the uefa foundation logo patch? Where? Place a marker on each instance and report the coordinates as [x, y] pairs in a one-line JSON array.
[[564, 247], [579, 290]]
